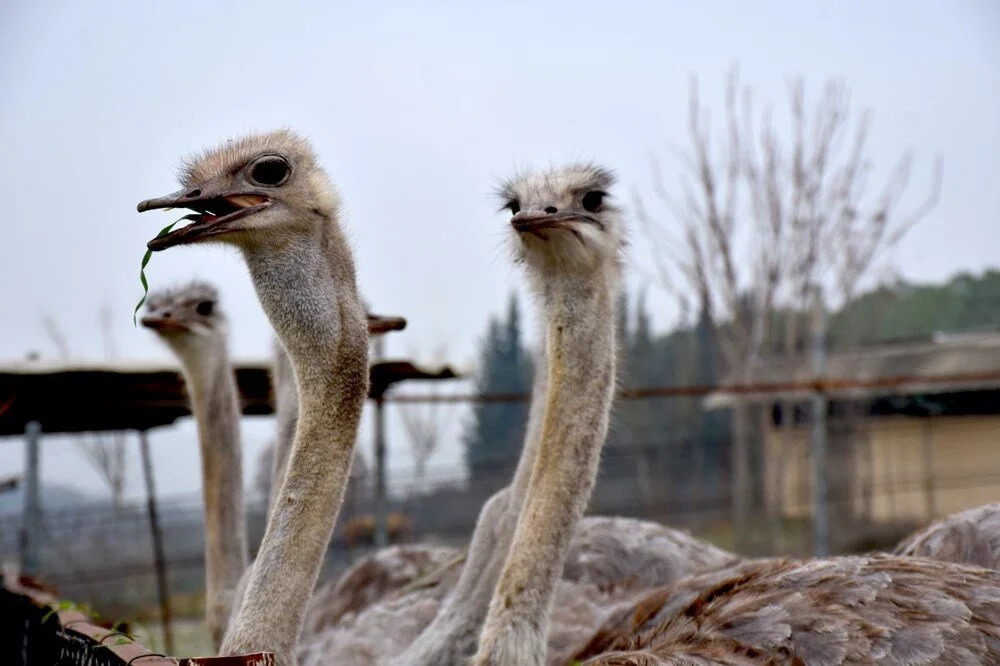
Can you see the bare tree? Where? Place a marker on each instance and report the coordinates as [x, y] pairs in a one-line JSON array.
[[765, 218], [107, 452], [425, 424]]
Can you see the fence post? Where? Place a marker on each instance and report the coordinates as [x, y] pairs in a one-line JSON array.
[[32, 512], [381, 534], [930, 497], [381, 508], [158, 557], [821, 516]]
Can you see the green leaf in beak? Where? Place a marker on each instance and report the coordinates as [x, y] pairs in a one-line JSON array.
[[142, 269]]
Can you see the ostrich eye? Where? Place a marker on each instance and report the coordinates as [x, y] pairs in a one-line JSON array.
[[514, 205], [205, 308], [592, 201], [270, 171]]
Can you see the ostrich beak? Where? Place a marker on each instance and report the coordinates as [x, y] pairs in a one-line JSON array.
[[162, 324], [378, 324], [535, 222], [216, 212]]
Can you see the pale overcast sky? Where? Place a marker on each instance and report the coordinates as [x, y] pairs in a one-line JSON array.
[[415, 109]]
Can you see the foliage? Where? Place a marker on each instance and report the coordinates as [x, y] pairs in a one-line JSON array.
[[963, 303], [494, 435]]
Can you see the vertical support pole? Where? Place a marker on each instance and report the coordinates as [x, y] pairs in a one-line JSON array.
[[157, 536], [381, 509], [32, 512], [929, 490], [821, 516], [381, 504]]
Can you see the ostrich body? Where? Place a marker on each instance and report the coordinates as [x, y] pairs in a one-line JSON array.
[[190, 322], [374, 579], [610, 561], [843, 610], [267, 195], [966, 537]]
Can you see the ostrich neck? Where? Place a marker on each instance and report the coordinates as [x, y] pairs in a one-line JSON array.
[[580, 333], [451, 636], [215, 403], [286, 416], [532, 437], [309, 294]]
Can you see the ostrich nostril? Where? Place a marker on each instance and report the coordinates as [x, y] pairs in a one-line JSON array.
[[193, 193], [166, 315], [551, 209]]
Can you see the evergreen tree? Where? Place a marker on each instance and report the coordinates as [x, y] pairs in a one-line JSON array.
[[495, 433], [887, 314], [643, 422]]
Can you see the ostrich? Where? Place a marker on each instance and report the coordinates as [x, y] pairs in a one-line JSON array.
[[191, 323], [569, 236], [966, 537], [267, 195], [617, 557]]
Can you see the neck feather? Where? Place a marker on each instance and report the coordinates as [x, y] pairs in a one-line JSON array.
[[286, 417], [580, 350], [451, 637], [215, 403], [309, 293]]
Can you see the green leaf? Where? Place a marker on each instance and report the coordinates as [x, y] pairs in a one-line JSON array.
[[142, 269], [64, 604], [53, 609]]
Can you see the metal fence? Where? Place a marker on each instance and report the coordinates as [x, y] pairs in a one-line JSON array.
[[888, 470]]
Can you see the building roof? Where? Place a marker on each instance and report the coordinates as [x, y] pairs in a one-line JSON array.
[[947, 363], [84, 396]]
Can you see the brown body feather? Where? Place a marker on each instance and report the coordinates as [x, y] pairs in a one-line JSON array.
[[371, 580], [847, 610], [966, 537], [610, 561]]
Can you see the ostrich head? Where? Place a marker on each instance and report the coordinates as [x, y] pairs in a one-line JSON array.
[[564, 218], [261, 189], [187, 318]]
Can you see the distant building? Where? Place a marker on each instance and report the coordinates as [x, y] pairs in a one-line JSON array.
[[913, 429]]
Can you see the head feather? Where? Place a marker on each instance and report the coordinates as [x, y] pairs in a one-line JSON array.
[[230, 156]]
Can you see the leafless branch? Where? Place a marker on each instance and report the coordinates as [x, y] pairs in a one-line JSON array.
[[760, 221], [106, 452], [425, 425]]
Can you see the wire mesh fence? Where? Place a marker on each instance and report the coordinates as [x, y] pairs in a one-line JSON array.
[[889, 468]]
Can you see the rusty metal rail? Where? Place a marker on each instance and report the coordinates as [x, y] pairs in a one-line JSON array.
[[34, 633], [830, 385]]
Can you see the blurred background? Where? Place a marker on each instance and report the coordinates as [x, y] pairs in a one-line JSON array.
[[810, 326]]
